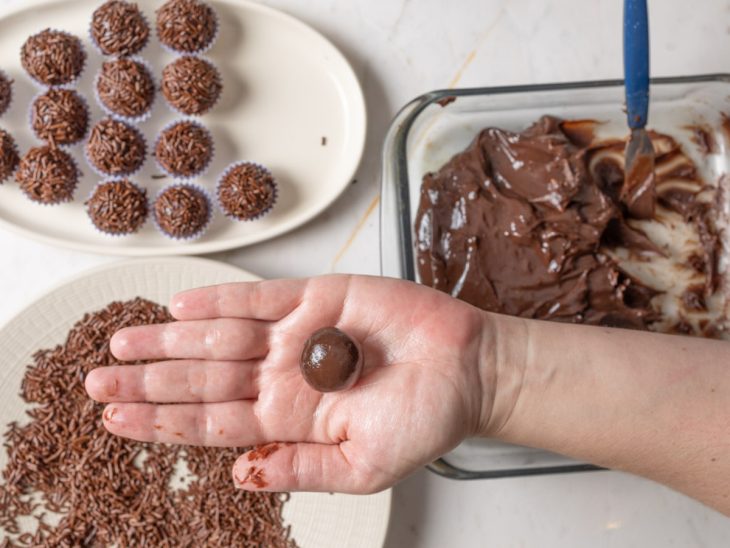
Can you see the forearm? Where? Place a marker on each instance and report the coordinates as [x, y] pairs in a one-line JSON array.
[[654, 405]]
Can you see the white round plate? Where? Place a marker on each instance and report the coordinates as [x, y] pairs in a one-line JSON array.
[[318, 520], [290, 101]]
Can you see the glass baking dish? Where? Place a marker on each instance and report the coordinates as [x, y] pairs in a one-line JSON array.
[[428, 131]]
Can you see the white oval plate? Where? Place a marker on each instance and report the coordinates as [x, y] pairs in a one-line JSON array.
[[318, 520], [286, 88]]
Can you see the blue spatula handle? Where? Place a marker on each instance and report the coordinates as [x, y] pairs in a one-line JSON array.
[[636, 62]]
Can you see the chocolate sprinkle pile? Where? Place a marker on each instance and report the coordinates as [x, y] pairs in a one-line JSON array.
[[186, 26], [247, 191], [184, 149], [6, 92], [126, 87], [115, 148], [119, 28], [191, 85], [53, 57], [118, 207], [48, 175], [9, 158], [182, 211], [60, 116], [110, 491]]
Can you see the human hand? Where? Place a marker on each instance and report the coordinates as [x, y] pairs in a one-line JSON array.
[[231, 378]]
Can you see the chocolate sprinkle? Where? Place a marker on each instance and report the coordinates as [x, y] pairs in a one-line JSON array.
[[119, 28], [115, 148], [186, 26], [126, 87], [191, 85], [53, 57], [184, 149], [182, 211], [118, 207], [60, 116], [247, 191], [9, 158], [48, 175], [111, 491], [6, 92]]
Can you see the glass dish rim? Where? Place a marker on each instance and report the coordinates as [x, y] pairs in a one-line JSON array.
[[395, 150]]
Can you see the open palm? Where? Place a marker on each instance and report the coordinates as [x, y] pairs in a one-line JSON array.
[[231, 378]]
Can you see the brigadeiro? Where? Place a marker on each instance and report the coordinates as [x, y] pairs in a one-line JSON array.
[[187, 26], [118, 207], [125, 88], [182, 211], [53, 58], [119, 28], [48, 175], [331, 360], [59, 116], [191, 85], [9, 158], [246, 191], [184, 149], [6, 92], [115, 148]]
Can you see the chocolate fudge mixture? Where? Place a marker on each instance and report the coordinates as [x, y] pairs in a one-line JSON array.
[[533, 224]]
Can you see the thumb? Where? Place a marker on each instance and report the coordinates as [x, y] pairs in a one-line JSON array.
[[299, 467]]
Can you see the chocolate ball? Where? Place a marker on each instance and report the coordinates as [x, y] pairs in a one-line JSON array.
[[119, 28], [118, 207], [182, 212], [246, 191], [9, 158], [53, 57], [6, 92], [191, 85], [186, 26], [331, 360], [47, 175], [125, 87], [184, 149], [115, 148], [60, 116]]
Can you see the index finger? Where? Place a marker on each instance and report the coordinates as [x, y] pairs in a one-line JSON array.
[[267, 300]]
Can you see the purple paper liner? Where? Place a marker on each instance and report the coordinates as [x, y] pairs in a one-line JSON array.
[[60, 145], [184, 178], [73, 83], [223, 176], [129, 119], [201, 51], [199, 234], [124, 175], [116, 234], [179, 112], [108, 56]]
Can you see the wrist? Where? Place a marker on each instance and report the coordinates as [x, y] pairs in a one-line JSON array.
[[502, 366]]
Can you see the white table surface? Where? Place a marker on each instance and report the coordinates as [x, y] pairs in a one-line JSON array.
[[400, 49]]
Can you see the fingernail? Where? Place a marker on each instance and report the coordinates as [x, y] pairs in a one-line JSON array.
[[109, 413]]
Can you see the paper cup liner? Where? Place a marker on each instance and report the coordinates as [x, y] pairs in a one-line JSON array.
[[179, 112], [259, 215], [4, 109], [66, 85], [177, 176], [201, 51], [50, 141], [117, 234], [121, 117], [98, 49], [201, 231], [121, 174]]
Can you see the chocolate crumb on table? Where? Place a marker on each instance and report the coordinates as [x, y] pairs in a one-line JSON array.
[[9, 158], [53, 57], [191, 85], [115, 148], [60, 116], [47, 175], [119, 28], [186, 26], [108, 490]]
